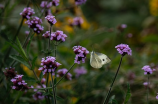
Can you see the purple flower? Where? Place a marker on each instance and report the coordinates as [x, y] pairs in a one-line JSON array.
[[27, 32], [46, 34], [55, 2], [77, 21], [157, 96], [62, 72], [10, 72], [145, 83], [80, 2], [58, 36], [35, 24], [81, 53], [49, 65], [38, 96], [80, 71], [147, 69], [46, 5], [51, 19], [124, 49], [19, 84], [27, 13], [123, 26]]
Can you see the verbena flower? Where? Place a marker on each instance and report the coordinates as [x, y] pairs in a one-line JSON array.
[[58, 36], [55, 2], [81, 53], [46, 34], [62, 72], [10, 72], [27, 13], [38, 96], [19, 84], [147, 69], [145, 83], [157, 96], [49, 65], [77, 21], [27, 32], [80, 2], [122, 27], [51, 19], [35, 24], [80, 71], [45, 4], [123, 49]]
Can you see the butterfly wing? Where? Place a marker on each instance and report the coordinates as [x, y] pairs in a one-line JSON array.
[[95, 61], [103, 58]]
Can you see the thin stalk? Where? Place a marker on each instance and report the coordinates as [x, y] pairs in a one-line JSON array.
[[148, 91], [54, 95], [47, 80], [55, 51], [108, 94], [18, 96], [64, 75], [49, 38]]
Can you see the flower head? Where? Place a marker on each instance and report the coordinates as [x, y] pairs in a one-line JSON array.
[[38, 96], [46, 34], [80, 71], [19, 84], [58, 36], [49, 65], [55, 2], [46, 4], [35, 24], [147, 69], [80, 2], [51, 19], [157, 96], [81, 53], [124, 49], [62, 72], [10, 72], [27, 13], [77, 21]]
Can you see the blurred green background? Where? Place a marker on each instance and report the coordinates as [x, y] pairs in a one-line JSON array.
[[99, 32]]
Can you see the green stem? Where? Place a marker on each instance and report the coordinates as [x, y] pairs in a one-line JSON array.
[[54, 95], [148, 91], [49, 39], [18, 96], [108, 94], [64, 75]]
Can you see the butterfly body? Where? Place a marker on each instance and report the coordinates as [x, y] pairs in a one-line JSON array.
[[97, 60]]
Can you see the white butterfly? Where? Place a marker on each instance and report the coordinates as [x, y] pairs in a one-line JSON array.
[[97, 60]]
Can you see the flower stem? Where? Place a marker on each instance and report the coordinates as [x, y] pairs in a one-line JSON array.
[[64, 75], [18, 96], [54, 95], [49, 40], [108, 94], [148, 91]]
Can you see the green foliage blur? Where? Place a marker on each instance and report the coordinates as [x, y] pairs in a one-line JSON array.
[[100, 32]]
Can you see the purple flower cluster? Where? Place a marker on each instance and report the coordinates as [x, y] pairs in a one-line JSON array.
[[145, 84], [27, 13], [55, 2], [19, 84], [49, 65], [58, 36], [10, 72], [77, 21], [124, 49], [80, 2], [46, 34], [39, 95], [80, 71], [147, 69], [35, 24], [45, 4], [122, 27], [157, 96], [51, 19], [81, 53], [62, 72]]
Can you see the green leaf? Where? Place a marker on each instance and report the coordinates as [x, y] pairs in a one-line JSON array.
[[59, 98], [33, 62], [5, 82], [28, 46], [46, 93], [20, 59], [128, 94], [41, 75], [114, 101], [111, 99], [26, 78], [21, 49]]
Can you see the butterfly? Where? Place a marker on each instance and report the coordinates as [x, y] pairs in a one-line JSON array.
[[97, 60]]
